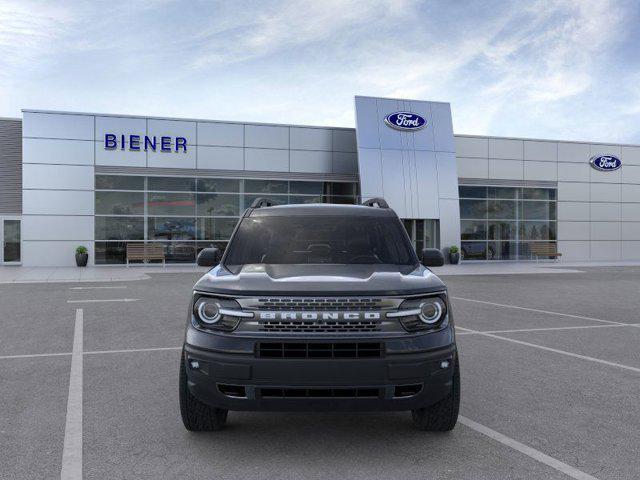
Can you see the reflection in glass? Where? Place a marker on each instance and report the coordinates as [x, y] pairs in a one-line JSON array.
[[473, 230], [304, 199], [107, 253], [502, 231], [119, 203], [502, 209], [209, 204], [216, 228], [531, 210], [472, 192], [214, 185], [306, 188], [171, 184], [119, 228], [265, 186], [502, 251], [473, 209], [11, 242], [171, 204], [168, 228], [474, 250], [502, 192], [119, 182]]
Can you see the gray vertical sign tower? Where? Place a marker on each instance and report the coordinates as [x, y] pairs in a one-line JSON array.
[[413, 169]]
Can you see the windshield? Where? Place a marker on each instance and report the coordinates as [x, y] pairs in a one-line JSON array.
[[320, 239]]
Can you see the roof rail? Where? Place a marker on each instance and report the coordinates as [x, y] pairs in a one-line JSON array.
[[376, 202], [262, 202]]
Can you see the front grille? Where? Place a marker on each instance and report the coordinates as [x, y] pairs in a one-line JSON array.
[[319, 350], [320, 392], [319, 326], [319, 304]]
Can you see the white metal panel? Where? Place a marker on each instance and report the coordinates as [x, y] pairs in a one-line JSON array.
[[630, 212], [344, 162], [52, 253], [63, 177], [574, 172], [429, 206], [70, 152], [266, 136], [395, 172], [630, 193], [573, 251], [56, 227], [367, 133], [449, 223], [546, 171], [630, 174], [605, 150], [630, 250], [57, 125], [344, 141], [630, 155], [442, 127], [605, 230], [310, 161], [602, 192], [370, 183], [506, 149], [574, 152], [311, 138], [573, 192], [57, 202], [544, 151], [447, 175], [573, 211], [424, 139], [506, 169], [605, 212], [173, 159], [605, 177], [472, 147], [605, 251], [631, 231], [220, 134], [473, 167], [573, 231], [172, 128], [390, 138], [220, 158], [120, 126], [120, 158], [266, 160]]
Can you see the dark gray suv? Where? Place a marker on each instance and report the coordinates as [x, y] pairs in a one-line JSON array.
[[319, 307]]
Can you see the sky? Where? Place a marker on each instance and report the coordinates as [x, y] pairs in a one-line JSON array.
[[540, 69]]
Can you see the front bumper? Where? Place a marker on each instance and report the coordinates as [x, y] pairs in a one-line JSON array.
[[409, 375]]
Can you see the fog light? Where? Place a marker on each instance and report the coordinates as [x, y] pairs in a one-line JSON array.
[[194, 364], [444, 364]]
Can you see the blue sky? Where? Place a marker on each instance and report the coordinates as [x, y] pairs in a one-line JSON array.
[[546, 69]]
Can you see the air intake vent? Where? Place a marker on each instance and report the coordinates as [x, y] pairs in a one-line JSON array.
[[320, 392], [320, 326], [320, 350], [319, 304]]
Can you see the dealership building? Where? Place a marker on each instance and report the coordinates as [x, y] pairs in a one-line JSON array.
[[105, 181]]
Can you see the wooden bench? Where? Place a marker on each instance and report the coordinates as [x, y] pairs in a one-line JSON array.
[[544, 250], [140, 251]]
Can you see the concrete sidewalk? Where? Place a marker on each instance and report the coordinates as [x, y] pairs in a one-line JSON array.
[[19, 274]]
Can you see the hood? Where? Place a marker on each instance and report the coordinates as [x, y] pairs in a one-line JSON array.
[[319, 279]]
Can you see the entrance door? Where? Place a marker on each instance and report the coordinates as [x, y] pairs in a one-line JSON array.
[[423, 233], [10, 240]]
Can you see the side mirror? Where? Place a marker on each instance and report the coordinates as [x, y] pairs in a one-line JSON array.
[[432, 257], [208, 257]]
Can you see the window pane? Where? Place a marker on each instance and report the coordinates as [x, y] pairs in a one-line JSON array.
[[538, 194], [307, 188], [119, 228], [502, 230], [110, 253], [472, 192], [502, 209], [276, 199], [214, 185], [342, 188], [120, 203], [175, 184], [265, 186], [168, 228], [474, 250], [538, 210], [473, 209], [502, 192], [11, 247], [537, 231], [216, 228], [305, 199], [338, 199], [220, 245], [179, 252], [172, 204], [501, 251], [119, 182], [473, 230], [218, 204]]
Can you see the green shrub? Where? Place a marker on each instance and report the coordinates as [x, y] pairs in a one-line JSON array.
[[81, 250], [453, 249]]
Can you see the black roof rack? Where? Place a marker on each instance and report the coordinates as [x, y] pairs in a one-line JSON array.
[[376, 202], [262, 202]]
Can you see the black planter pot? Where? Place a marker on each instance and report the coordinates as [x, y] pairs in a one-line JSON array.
[[454, 258], [81, 259]]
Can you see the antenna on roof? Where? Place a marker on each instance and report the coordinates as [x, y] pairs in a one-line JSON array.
[[376, 202]]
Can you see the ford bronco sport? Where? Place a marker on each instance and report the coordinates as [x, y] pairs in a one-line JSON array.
[[319, 307]]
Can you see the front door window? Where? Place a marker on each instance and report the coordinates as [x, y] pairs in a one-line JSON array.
[[11, 241]]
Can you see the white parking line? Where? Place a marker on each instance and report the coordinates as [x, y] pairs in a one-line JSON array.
[[554, 350], [538, 311], [159, 349], [545, 329], [107, 300], [34, 355], [98, 288], [528, 451], [72, 449]]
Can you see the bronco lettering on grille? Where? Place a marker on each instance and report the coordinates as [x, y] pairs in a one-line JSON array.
[[319, 315]]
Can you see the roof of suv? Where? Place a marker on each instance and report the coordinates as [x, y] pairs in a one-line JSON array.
[[322, 209]]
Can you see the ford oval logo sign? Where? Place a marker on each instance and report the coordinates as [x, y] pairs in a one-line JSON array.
[[605, 163], [405, 121]]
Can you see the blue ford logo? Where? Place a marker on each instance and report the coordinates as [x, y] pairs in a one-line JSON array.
[[405, 121], [605, 163]]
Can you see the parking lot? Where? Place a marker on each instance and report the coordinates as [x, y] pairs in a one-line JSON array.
[[550, 389]]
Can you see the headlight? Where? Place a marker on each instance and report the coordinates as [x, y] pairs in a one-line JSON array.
[[217, 313], [431, 311], [422, 313]]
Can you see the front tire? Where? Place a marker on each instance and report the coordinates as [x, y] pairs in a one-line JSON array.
[[443, 415], [196, 415]]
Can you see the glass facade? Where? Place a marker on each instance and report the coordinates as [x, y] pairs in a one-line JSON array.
[[501, 223], [186, 214]]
